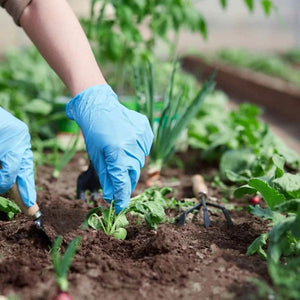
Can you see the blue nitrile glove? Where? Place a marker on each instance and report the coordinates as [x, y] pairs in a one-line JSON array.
[[16, 158], [117, 140]]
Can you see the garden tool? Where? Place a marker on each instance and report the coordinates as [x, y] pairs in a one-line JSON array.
[[32, 212], [88, 181], [200, 191]]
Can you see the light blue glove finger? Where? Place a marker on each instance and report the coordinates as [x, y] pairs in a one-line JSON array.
[[10, 164], [122, 186], [124, 172], [25, 179], [117, 140], [16, 157]]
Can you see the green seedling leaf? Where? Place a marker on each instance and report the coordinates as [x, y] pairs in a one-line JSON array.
[[289, 206], [89, 213], [223, 3], [62, 263], [96, 223], [256, 246], [279, 240], [250, 4], [121, 221], [295, 229], [244, 190], [9, 207], [269, 194], [279, 162], [267, 6], [281, 228], [290, 184], [155, 209], [235, 165], [265, 213], [108, 221], [120, 234]]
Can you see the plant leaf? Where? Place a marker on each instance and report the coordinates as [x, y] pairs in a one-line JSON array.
[[235, 165], [269, 194], [120, 233], [289, 183], [223, 3], [250, 4], [267, 6], [243, 190], [121, 221], [289, 206], [279, 162], [96, 223], [9, 207], [256, 246], [89, 213], [265, 213], [68, 256]]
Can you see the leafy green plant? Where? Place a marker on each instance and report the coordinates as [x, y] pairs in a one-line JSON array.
[[108, 221], [244, 146], [117, 29], [175, 111], [269, 64], [281, 192], [116, 26], [62, 263], [149, 205], [9, 207], [29, 90]]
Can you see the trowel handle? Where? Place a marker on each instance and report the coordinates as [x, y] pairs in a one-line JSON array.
[[33, 211], [199, 185]]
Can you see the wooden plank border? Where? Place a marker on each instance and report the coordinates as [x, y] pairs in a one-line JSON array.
[[273, 94]]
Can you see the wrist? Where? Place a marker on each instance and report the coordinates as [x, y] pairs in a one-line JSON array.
[[93, 97]]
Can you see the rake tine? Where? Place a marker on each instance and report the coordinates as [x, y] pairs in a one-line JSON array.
[[205, 211], [181, 218], [224, 210]]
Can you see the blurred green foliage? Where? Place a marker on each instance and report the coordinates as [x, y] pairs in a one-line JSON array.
[[30, 90], [273, 65]]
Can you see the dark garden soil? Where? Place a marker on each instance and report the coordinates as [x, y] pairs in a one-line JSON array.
[[191, 262]]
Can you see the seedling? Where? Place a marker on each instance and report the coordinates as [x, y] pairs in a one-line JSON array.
[[61, 264], [149, 205], [9, 207], [109, 222], [174, 117]]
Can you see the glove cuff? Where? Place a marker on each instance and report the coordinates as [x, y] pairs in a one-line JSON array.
[[94, 95]]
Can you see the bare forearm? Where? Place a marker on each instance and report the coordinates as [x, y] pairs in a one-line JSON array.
[[56, 32]]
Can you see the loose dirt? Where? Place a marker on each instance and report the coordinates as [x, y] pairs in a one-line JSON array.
[[190, 262]]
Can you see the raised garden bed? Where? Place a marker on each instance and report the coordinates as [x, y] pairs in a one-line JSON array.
[[274, 94], [171, 263]]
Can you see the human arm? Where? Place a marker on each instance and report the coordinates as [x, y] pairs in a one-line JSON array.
[[56, 32], [117, 139]]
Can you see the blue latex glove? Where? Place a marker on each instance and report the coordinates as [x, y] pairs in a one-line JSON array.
[[117, 140], [16, 158]]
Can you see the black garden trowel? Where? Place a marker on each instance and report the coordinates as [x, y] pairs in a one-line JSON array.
[[35, 214], [88, 181], [200, 191]]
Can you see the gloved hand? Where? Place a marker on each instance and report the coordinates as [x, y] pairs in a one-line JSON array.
[[16, 158], [117, 140]]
